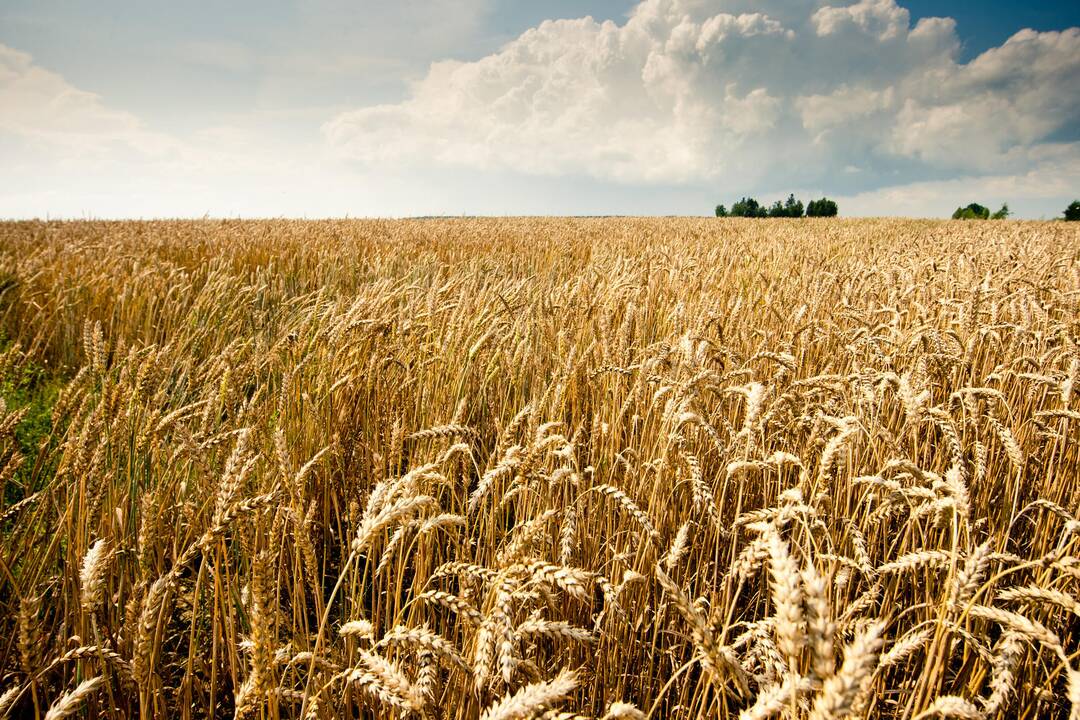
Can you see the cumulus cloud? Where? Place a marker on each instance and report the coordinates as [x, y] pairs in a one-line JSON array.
[[41, 108], [736, 94]]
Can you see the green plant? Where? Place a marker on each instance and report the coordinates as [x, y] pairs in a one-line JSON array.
[[30, 392]]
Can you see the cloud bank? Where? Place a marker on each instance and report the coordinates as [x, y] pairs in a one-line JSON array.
[[740, 95]]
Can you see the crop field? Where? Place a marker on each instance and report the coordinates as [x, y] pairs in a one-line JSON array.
[[524, 468]]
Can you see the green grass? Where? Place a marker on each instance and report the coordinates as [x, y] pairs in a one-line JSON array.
[[34, 388]]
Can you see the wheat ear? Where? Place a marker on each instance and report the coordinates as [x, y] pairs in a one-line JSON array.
[[70, 703], [531, 698]]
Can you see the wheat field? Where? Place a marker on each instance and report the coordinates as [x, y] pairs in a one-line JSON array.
[[525, 468]]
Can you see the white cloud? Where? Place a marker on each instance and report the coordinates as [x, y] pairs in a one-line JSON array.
[[1041, 191], [735, 94], [983, 114], [41, 108], [882, 19], [67, 152]]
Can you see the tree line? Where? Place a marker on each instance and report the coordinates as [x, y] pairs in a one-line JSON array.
[[750, 207], [975, 211]]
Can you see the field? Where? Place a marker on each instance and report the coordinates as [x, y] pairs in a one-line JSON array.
[[604, 468]]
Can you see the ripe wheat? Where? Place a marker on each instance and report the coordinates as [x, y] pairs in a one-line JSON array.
[[540, 468]]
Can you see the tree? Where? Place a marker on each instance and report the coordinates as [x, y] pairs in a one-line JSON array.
[[1003, 213], [974, 211], [789, 208], [792, 207], [821, 208], [748, 207], [721, 211], [1073, 211]]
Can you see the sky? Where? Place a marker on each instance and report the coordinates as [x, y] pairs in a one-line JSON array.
[[492, 107]]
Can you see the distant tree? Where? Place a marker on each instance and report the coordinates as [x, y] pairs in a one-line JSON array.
[[789, 208], [792, 207], [1073, 211], [748, 207], [974, 211], [1003, 213], [721, 211], [821, 208]]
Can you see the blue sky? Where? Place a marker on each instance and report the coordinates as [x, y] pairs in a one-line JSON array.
[[332, 107]]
